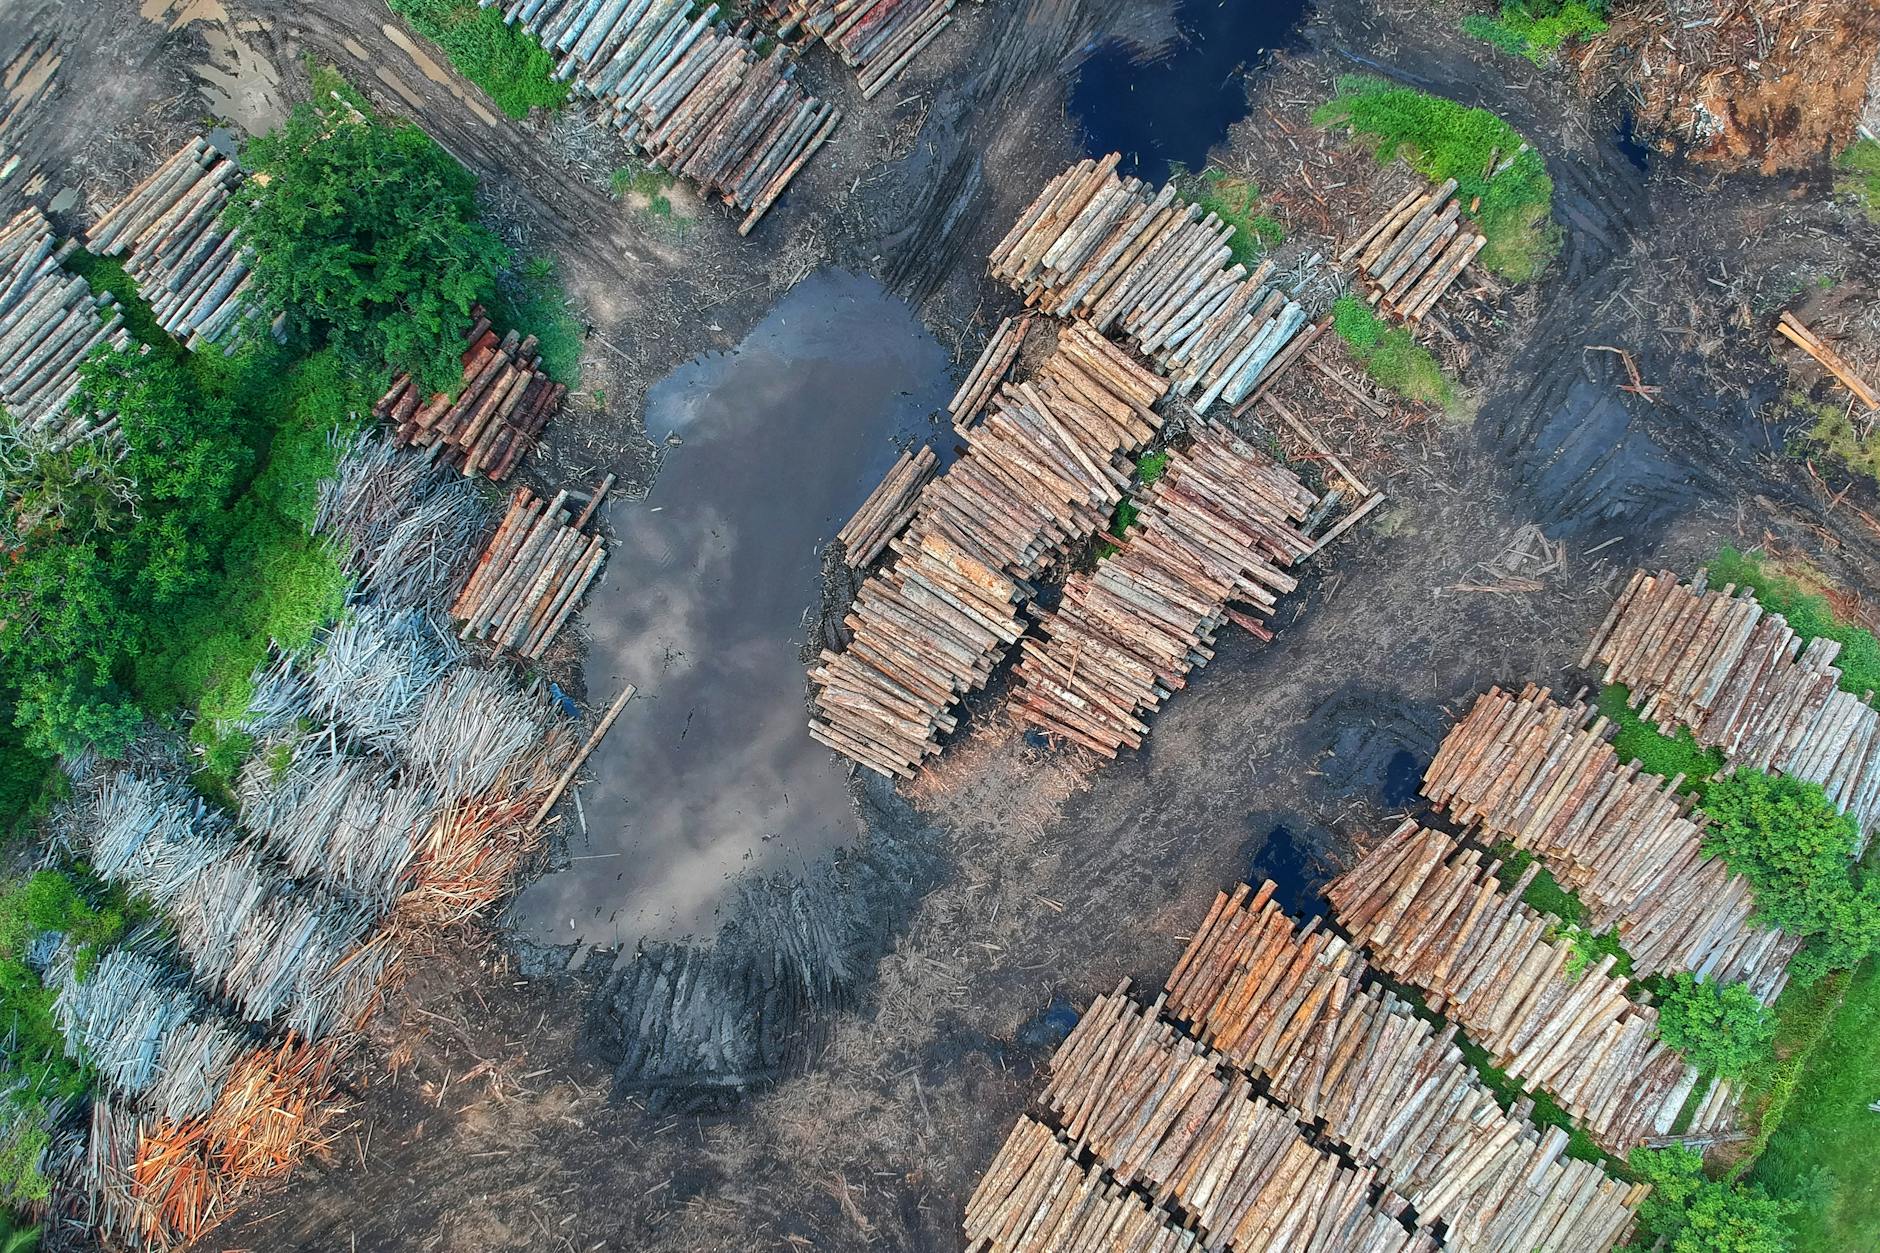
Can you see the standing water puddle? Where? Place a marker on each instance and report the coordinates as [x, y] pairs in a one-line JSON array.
[[711, 771], [1174, 108]]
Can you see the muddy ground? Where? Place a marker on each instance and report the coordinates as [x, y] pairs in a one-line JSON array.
[[1023, 879]]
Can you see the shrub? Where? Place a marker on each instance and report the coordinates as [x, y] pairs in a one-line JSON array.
[[1721, 1028], [1389, 354], [1808, 613], [531, 299], [504, 60], [1535, 29], [1666, 755], [1690, 1213], [1859, 168], [1442, 139]]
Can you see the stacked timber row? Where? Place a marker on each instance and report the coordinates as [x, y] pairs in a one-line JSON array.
[[1431, 913], [1153, 268], [1415, 252], [532, 574], [879, 38], [692, 93], [1042, 472], [506, 400], [1535, 774], [49, 323], [888, 509], [983, 380], [1037, 1198], [1742, 680], [170, 235], [1290, 1007], [1217, 527]]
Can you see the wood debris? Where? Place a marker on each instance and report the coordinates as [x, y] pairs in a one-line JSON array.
[[1150, 266], [49, 324], [1743, 681], [1535, 774], [1409, 257], [692, 93], [497, 416], [888, 509], [878, 38], [994, 364], [531, 575], [1218, 526], [1790, 327]]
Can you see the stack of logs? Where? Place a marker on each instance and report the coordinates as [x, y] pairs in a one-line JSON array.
[[1534, 773], [1035, 1198], [1152, 267], [1430, 913], [888, 509], [1742, 681], [879, 38], [169, 232], [496, 418], [532, 574], [983, 380], [1042, 472], [1216, 527], [1415, 252], [49, 323], [1290, 1007], [691, 93]]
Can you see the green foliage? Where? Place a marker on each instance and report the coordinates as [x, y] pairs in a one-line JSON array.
[[1859, 179], [1150, 468], [1721, 1028], [1535, 29], [366, 233], [1666, 755], [1808, 613], [1835, 429], [1236, 201], [107, 274], [1549, 896], [1694, 1214], [644, 182], [530, 298], [506, 61], [17, 1234], [1389, 354], [1442, 139], [1794, 847]]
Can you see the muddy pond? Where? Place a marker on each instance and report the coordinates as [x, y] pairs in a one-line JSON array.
[[711, 773]]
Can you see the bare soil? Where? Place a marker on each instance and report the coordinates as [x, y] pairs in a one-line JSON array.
[[485, 1120]]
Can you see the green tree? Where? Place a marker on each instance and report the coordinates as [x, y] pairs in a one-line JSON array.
[[365, 233], [1721, 1028], [1695, 1214]]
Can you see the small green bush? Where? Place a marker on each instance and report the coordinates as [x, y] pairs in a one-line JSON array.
[[1666, 755], [504, 60], [1236, 202], [1535, 29], [531, 300], [1721, 1028], [1690, 1213], [1389, 354], [1808, 613], [1859, 168]]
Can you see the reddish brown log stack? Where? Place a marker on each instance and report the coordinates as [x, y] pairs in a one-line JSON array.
[[1415, 252], [532, 574], [879, 38], [49, 323], [1217, 527], [1431, 913], [1741, 679], [1534, 773], [1042, 472], [496, 418], [888, 509]]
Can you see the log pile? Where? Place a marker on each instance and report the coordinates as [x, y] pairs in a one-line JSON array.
[[532, 574], [1792, 329], [1415, 252], [877, 38], [1535, 774], [169, 233], [1290, 1007], [1741, 679], [1036, 1198], [49, 323], [1151, 267], [690, 92], [994, 364], [497, 417], [1217, 527], [403, 526], [1042, 472], [888, 509], [1429, 912]]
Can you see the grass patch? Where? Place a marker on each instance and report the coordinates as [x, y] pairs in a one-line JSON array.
[[649, 184], [107, 274], [1389, 354], [1236, 201], [1536, 29], [1548, 895], [1442, 139], [506, 61], [1859, 176], [1668, 755], [1148, 470], [1808, 612], [531, 299]]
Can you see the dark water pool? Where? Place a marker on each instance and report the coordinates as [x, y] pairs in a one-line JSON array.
[[1293, 860], [710, 771], [1627, 138], [1172, 109], [1403, 778]]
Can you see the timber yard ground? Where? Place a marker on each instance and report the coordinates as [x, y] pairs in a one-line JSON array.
[[1020, 879]]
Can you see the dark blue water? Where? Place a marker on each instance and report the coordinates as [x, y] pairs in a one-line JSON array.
[[1403, 778], [1295, 866], [1049, 1028], [1172, 110], [1626, 136]]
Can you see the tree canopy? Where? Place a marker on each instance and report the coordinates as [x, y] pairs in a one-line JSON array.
[[1721, 1028]]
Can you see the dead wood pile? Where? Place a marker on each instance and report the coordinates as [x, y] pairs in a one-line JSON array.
[[49, 323], [1152, 267], [531, 575], [888, 509], [1430, 913], [1290, 1006], [1415, 252], [691, 92], [168, 231], [1042, 472], [1791, 328], [1217, 527], [1535, 774], [497, 417], [879, 38], [1743, 681]]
